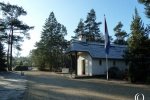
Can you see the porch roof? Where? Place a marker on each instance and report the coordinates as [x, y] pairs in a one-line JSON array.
[[97, 50]]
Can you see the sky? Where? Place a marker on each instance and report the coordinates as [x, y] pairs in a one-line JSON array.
[[69, 13]]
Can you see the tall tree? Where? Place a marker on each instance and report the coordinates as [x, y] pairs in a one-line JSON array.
[[11, 14], [80, 29], [147, 6], [91, 28], [50, 48], [137, 54], [120, 34]]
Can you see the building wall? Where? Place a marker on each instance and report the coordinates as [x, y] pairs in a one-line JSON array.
[[96, 66], [88, 64], [100, 69], [120, 64]]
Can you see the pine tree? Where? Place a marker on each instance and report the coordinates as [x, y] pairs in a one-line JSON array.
[[120, 34], [147, 6], [50, 48], [13, 25], [91, 28], [79, 30], [137, 54]]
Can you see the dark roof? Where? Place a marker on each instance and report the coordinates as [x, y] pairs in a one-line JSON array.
[[97, 50]]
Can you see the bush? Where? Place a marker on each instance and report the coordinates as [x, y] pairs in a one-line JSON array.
[[21, 68], [3, 67], [115, 73]]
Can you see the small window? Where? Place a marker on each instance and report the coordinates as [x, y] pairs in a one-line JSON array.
[[114, 63], [100, 62]]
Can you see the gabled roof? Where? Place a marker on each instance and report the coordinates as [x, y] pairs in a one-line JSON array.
[[97, 50]]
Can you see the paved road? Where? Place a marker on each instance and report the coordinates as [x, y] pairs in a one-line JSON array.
[[50, 86]]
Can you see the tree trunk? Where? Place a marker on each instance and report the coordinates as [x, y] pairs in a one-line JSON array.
[[11, 43], [8, 64], [8, 53]]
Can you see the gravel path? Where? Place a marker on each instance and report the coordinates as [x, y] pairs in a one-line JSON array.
[[12, 86], [50, 86]]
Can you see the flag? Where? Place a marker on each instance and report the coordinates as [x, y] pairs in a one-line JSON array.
[[107, 41]]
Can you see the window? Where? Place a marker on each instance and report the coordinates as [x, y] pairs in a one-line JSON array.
[[100, 62]]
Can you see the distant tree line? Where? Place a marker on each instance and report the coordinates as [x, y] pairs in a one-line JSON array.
[[22, 61]]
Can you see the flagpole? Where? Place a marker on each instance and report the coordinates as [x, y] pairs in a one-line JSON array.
[[107, 45], [107, 65]]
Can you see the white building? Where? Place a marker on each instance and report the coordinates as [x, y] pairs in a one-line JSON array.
[[89, 58]]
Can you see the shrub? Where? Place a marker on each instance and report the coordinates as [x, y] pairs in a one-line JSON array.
[[21, 68], [115, 73]]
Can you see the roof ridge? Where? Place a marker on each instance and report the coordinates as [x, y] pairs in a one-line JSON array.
[[97, 43]]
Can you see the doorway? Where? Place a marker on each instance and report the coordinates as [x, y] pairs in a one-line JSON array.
[[83, 67]]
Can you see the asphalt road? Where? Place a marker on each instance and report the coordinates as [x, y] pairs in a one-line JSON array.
[[51, 86]]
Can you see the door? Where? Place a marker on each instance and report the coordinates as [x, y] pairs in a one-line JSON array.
[[83, 67]]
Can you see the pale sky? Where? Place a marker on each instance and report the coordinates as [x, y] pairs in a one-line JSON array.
[[69, 12]]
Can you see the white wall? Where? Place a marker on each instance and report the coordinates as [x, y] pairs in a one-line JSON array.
[[79, 65], [98, 69], [119, 63], [92, 66], [88, 64]]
